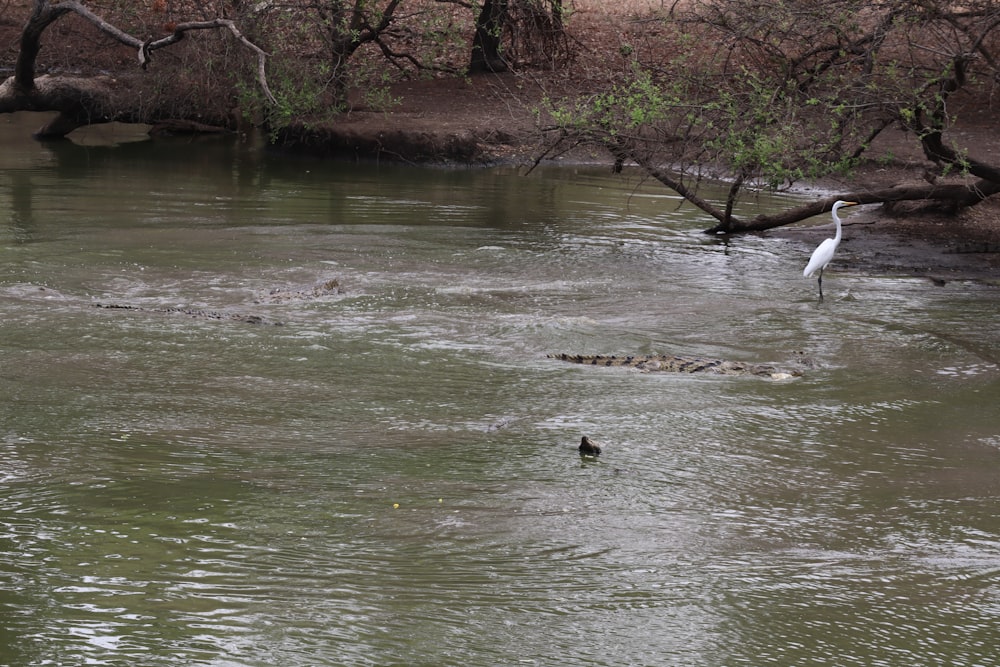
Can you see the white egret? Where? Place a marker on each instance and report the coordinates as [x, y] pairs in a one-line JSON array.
[[824, 253]]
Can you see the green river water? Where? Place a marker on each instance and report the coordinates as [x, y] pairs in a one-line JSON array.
[[390, 477]]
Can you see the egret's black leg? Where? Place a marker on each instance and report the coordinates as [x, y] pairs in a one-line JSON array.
[[819, 281]]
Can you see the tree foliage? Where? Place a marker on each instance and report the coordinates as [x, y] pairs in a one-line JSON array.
[[769, 93]]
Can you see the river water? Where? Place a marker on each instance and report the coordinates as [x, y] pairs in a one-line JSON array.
[[390, 476]]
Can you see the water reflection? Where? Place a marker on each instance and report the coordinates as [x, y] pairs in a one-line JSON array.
[[391, 476]]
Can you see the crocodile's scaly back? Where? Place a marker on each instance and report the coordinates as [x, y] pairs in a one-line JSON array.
[[192, 312], [670, 364], [327, 288]]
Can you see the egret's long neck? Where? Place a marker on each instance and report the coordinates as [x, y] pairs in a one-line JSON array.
[[836, 219]]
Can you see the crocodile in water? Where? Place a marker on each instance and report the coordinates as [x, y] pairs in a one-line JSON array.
[[191, 312], [276, 296], [330, 287], [671, 364]]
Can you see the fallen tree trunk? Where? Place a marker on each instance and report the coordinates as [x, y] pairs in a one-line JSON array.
[[953, 195]]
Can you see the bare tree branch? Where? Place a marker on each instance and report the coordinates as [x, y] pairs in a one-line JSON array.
[[83, 101], [949, 194]]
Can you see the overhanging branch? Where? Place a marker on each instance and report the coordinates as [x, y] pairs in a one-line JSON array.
[[956, 193], [45, 13]]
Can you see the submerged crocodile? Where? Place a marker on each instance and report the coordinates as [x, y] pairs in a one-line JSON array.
[[275, 296], [670, 364], [330, 287], [195, 313]]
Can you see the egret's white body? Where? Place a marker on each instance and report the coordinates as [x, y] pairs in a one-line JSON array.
[[824, 253]]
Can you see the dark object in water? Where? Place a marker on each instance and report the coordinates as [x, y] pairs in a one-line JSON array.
[[589, 448]]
